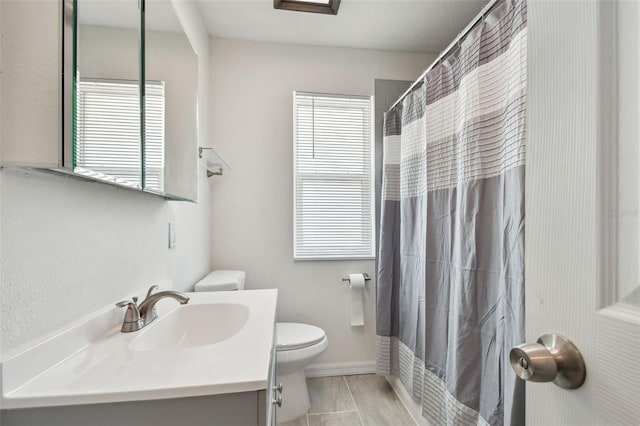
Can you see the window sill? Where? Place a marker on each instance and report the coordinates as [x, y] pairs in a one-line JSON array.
[[304, 259]]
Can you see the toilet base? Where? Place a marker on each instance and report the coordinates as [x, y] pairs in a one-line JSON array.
[[295, 396]]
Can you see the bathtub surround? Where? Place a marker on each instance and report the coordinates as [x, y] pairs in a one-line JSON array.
[[69, 247], [451, 263], [251, 123]]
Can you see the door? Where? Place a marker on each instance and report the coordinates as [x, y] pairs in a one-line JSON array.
[[582, 204]]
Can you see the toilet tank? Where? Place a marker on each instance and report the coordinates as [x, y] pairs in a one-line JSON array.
[[221, 280]]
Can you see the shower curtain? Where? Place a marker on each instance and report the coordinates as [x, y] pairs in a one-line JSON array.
[[450, 296]]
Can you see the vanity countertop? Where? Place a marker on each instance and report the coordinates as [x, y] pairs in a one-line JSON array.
[[105, 369]]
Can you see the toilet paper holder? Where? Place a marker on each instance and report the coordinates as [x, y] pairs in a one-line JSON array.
[[365, 275]]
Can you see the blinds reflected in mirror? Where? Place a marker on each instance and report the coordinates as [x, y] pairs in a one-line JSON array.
[[107, 132]]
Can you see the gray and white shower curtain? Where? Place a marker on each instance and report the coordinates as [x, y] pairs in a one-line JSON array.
[[451, 263]]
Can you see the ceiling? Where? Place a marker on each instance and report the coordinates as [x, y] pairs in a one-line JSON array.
[[409, 25], [124, 14]]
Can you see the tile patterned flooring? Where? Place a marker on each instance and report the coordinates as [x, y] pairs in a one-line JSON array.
[[364, 400]]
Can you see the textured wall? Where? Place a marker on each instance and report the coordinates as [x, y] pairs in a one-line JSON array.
[[29, 45], [251, 124], [70, 247]]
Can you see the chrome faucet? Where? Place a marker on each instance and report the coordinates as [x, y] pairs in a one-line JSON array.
[[138, 316]]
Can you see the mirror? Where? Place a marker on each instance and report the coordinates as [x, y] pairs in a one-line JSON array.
[[111, 135], [170, 125], [106, 109]]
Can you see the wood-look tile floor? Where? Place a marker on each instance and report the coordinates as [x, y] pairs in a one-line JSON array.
[[364, 400]]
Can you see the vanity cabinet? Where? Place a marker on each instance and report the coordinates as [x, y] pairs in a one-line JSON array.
[[271, 396], [31, 130], [211, 362], [241, 409]]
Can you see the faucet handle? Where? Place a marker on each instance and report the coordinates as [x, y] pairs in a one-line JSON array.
[[131, 320], [125, 303]]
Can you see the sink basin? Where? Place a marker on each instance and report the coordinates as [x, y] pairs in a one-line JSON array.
[[192, 326]]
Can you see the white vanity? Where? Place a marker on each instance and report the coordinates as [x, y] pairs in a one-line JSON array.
[[209, 362]]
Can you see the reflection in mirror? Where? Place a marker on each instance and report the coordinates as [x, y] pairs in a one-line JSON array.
[[106, 128], [170, 125]]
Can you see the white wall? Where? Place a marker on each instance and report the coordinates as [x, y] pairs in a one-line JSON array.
[[251, 127], [70, 247]]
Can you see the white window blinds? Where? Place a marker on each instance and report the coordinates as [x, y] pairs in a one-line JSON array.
[[333, 177], [107, 133]]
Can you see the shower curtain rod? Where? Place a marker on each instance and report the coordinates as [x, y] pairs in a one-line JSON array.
[[479, 18]]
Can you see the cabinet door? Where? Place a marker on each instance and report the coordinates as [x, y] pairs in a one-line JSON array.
[[268, 398], [170, 125], [31, 67], [106, 136]]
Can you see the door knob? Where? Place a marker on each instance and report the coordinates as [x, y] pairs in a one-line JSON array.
[[552, 359]]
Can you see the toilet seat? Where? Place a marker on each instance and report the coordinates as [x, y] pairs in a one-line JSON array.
[[291, 336]]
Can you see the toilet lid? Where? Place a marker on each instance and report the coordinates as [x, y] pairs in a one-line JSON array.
[[291, 335], [221, 280]]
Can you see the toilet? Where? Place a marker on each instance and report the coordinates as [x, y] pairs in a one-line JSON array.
[[297, 346]]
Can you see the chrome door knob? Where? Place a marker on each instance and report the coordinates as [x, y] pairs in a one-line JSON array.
[[278, 401], [552, 359], [278, 388]]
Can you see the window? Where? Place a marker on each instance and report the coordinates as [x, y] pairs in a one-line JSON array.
[[107, 134], [333, 177]]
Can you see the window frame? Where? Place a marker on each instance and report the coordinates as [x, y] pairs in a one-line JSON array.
[[370, 180]]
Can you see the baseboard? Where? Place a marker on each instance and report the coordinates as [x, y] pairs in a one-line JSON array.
[[340, 369], [412, 406]]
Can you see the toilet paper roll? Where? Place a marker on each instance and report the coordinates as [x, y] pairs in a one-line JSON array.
[[356, 285]]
